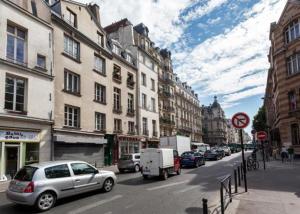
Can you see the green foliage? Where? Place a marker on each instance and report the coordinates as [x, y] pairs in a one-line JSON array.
[[259, 122]]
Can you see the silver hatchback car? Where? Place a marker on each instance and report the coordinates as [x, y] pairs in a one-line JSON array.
[[43, 183], [129, 162]]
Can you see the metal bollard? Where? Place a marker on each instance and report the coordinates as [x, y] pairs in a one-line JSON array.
[[235, 182], [230, 195], [222, 200], [239, 175], [242, 171], [204, 205]]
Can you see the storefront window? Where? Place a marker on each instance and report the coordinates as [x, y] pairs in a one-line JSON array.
[[136, 148], [124, 148], [129, 148], [32, 153]]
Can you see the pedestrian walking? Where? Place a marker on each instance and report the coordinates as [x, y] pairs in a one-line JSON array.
[[291, 154], [284, 154]]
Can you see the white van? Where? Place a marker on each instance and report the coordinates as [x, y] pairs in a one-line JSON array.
[[159, 162]]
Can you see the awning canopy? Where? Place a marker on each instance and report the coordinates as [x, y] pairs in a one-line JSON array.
[[72, 138]]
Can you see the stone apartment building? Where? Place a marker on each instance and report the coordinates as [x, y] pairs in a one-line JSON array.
[[95, 93], [188, 112], [26, 84], [214, 124], [136, 39], [282, 96]]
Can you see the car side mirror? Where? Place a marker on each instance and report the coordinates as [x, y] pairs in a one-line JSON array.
[[96, 171]]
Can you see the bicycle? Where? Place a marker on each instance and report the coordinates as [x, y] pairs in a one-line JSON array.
[[252, 163]]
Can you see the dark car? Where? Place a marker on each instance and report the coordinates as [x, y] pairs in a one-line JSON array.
[[212, 155], [192, 158], [221, 151]]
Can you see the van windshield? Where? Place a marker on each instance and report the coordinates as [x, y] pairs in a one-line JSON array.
[[25, 174], [126, 157]]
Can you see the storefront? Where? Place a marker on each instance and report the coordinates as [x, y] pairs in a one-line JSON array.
[[150, 143], [17, 148]]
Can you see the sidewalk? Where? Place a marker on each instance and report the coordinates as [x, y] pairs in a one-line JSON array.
[[113, 168], [274, 191]]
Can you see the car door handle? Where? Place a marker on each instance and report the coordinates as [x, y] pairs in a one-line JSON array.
[[77, 180]]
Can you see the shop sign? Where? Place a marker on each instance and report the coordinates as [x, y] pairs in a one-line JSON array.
[[18, 136]]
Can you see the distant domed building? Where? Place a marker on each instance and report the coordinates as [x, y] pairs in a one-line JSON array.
[[214, 124]]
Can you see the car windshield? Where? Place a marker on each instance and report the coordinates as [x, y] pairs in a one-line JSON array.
[[25, 174], [126, 157], [187, 154]]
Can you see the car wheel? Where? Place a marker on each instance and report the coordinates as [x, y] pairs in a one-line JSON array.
[[108, 185], [178, 171], [203, 162], [197, 164], [45, 201], [145, 177], [137, 168], [121, 170], [164, 175]]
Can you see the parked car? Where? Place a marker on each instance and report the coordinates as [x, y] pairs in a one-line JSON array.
[[129, 162], [41, 184], [192, 159], [227, 150], [221, 151], [212, 155], [160, 162]]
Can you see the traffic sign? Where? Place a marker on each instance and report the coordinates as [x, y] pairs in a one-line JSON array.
[[262, 135], [240, 120]]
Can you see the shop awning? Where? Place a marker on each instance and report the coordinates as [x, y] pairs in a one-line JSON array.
[[70, 138]]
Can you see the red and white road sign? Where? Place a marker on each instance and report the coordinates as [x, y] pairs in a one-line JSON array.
[[262, 135], [240, 120]]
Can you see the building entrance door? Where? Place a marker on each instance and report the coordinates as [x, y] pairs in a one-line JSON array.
[[11, 161]]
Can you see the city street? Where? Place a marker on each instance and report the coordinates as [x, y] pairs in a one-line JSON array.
[[132, 194]]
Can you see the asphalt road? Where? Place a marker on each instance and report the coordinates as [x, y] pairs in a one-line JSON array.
[[133, 195]]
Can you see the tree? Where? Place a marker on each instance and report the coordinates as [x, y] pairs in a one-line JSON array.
[[259, 122]]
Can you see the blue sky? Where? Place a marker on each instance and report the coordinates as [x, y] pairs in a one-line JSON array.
[[219, 47]]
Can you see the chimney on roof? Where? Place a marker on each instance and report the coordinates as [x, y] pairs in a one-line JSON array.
[[95, 10]]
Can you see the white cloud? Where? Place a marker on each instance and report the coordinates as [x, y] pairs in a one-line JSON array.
[[219, 63], [214, 21]]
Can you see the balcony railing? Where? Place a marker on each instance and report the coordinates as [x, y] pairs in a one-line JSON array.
[[117, 109], [166, 94], [117, 78], [130, 84], [155, 134], [118, 131], [166, 121], [168, 108], [166, 80], [130, 112], [131, 132]]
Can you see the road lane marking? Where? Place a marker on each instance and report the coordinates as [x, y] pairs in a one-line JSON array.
[[166, 185], [185, 189], [93, 205]]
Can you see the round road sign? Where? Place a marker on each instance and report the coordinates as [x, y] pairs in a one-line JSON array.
[[240, 120], [262, 135]]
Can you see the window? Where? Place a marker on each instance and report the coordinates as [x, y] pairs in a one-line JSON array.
[[130, 80], [26, 173], [70, 18], [117, 73], [116, 49], [117, 98], [59, 171], [292, 32], [16, 44], [293, 64], [130, 103], [72, 116], [295, 134], [292, 101], [144, 81], [100, 39], [128, 58], [152, 85], [130, 127], [82, 169], [100, 121], [14, 94], [117, 125], [71, 47], [100, 93], [154, 128], [33, 7], [32, 153], [100, 65], [145, 126], [41, 61], [72, 82], [153, 104], [144, 101]]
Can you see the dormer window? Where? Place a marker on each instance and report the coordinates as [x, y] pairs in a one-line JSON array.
[[128, 58], [116, 50], [71, 18], [100, 39], [293, 31]]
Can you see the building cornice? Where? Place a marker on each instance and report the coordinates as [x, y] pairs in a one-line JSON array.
[[26, 118], [124, 61], [27, 13], [26, 69], [69, 131], [55, 18]]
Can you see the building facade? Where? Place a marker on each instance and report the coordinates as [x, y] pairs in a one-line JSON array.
[[188, 112], [136, 39], [283, 84], [214, 124], [26, 111]]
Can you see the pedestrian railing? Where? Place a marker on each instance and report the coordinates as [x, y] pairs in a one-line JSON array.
[[225, 192]]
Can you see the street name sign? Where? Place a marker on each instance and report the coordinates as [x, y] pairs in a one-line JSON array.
[[240, 120]]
